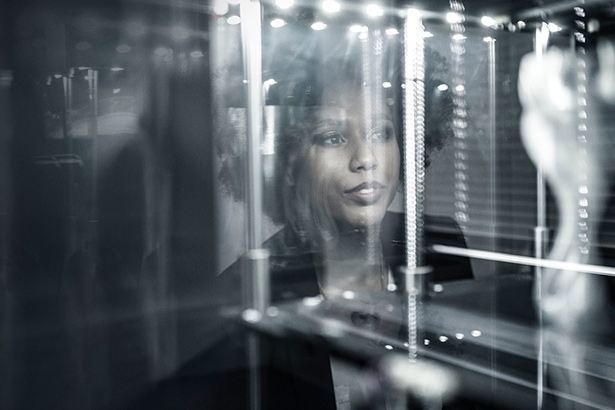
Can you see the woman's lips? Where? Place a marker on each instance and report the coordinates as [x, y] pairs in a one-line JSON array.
[[367, 193]]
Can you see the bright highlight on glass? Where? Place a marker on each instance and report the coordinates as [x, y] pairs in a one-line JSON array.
[[554, 28], [392, 31], [442, 87], [458, 37], [427, 34], [488, 21], [476, 333], [197, 54], [284, 4], [277, 23], [117, 69], [357, 28], [454, 17], [374, 10], [386, 84], [331, 6], [319, 25]]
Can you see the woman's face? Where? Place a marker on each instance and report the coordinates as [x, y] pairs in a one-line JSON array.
[[353, 170]]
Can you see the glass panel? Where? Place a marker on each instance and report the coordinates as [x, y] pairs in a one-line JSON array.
[[236, 204]]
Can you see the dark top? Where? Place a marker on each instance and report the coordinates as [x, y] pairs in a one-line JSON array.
[[294, 374]]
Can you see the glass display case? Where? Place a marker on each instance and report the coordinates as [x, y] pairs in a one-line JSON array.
[[299, 204]]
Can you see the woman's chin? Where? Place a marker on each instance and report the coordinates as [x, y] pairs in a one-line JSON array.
[[363, 219]]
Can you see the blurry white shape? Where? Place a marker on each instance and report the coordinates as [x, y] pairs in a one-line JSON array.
[[234, 2], [386, 84], [413, 13], [284, 4], [426, 342], [251, 315], [443, 338], [488, 21], [391, 31], [117, 69], [197, 54], [406, 344], [374, 10], [123, 48], [388, 347], [83, 68], [403, 86], [391, 287], [390, 308], [116, 90], [244, 81], [453, 17], [180, 33], [521, 24], [427, 34], [488, 39], [273, 311], [605, 82], [460, 88], [318, 25], [269, 82], [313, 301], [220, 7], [459, 336], [357, 28], [60, 76], [348, 294], [438, 288], [277, 23], [554, 28], [233, 20], [476, 333], [458, 37], [331, 6], [363, 35], [442, 87]]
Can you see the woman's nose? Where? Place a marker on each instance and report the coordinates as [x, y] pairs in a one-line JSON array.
[[363, 156]]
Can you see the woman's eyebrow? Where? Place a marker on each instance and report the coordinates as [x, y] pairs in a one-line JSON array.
[[332, 122]]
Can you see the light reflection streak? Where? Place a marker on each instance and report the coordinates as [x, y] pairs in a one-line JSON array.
[[524, 260]]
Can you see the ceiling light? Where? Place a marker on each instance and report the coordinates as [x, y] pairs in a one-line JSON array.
[[233, 20], [374, 10], [284, 4], [319, 25], [277, 23], [331, 6]]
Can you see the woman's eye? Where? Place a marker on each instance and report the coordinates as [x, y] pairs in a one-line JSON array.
[[330, 138], [381, 133]]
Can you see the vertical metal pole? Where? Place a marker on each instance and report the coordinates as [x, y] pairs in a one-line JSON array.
[[255, 280], [541, 41], [414, 161], [492, 141]]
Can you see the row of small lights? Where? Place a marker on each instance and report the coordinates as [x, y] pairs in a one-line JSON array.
[[373, 10]]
